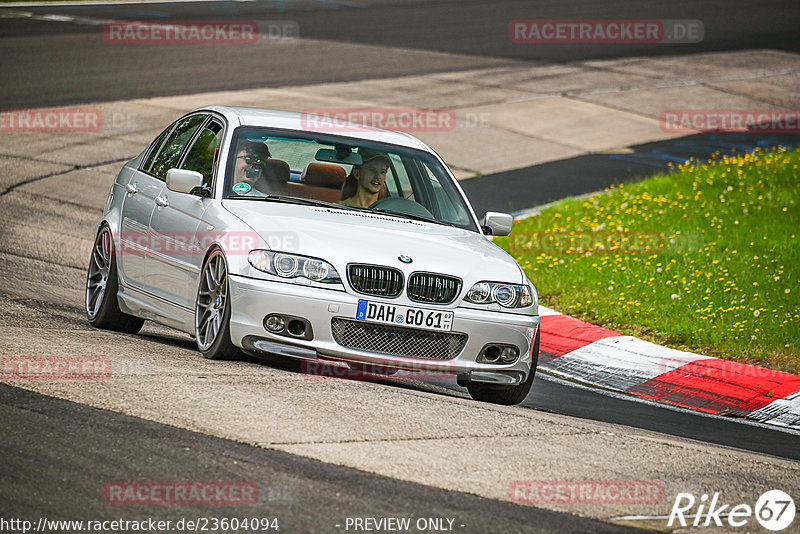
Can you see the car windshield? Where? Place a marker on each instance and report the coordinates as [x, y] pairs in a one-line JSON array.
[[349, 173]]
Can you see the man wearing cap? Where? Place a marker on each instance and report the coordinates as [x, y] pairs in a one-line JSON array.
[[363, 186]]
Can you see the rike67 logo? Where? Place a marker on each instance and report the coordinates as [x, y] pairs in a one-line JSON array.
[[774, 510]]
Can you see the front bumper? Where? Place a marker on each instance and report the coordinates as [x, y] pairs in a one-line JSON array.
[[253, 299]]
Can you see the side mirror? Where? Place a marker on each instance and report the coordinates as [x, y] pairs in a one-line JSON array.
[[497, 223], [183, 180]]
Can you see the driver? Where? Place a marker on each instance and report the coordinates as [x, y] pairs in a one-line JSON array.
[[363, 186]]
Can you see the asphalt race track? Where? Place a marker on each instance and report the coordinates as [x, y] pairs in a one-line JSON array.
[[78, 450], [55, 63], [321, 451]]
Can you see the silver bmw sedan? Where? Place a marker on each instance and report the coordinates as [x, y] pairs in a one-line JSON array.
[[273, 232]]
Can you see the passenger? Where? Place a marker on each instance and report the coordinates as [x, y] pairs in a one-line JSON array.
[[251, 160], [363, 186]]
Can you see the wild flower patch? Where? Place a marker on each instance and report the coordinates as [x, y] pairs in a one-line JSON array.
[[705, 258]]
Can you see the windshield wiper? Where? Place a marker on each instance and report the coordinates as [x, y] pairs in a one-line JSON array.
[[412, 216], [290, 200], [323, 203]]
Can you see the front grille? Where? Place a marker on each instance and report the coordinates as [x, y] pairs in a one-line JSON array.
[[433, 288], [397, 341], [375, 280]]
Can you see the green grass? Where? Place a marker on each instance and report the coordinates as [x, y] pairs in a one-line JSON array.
[[705, 259]]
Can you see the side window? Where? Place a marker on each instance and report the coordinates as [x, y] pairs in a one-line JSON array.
[[202, 157], [400, 184], [154, 148], [446, 209], [170, 153]]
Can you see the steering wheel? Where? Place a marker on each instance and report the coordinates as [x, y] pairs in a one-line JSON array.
[[402, 205]]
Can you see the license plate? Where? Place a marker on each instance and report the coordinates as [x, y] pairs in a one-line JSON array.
[[380, 312]]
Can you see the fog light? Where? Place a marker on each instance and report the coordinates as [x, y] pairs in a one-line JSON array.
[[508, 355], [498, 353], [274, 323], [491, 354], [296, 328]]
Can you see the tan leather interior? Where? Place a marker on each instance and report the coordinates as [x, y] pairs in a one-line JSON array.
[[323, 181], [276, 170], [318, 181], [274, 178]]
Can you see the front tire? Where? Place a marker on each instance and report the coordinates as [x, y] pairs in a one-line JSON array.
[[212, 313], [102, 286], [508, 396]]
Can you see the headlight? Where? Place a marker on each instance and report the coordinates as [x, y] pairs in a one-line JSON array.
[[479, 293], [293, 266], [506, 295], [285, 265], [316, 270]]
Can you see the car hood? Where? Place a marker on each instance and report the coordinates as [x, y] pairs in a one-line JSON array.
[[348, 236]]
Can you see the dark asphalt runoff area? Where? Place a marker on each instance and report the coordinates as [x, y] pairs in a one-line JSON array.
[[557, 396], [519, 189], [58, 456], [548, 396]]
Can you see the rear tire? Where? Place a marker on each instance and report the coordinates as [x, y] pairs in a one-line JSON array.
[[102, 286], [212, 313], [508, 396]]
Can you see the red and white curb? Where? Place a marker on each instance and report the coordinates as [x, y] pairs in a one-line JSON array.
[[576, 350]]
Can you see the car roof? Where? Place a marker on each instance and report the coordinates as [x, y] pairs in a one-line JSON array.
[[293, 120]]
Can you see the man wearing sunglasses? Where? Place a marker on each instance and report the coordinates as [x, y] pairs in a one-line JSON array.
[[251, 158]]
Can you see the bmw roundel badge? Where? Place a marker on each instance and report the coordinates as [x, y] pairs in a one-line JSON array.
[[405, 259]]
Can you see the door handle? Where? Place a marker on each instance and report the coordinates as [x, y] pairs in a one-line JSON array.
[[131, 188], [162, 201]]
